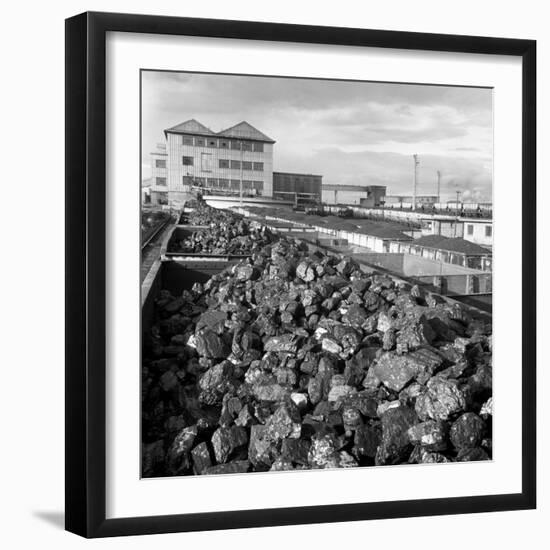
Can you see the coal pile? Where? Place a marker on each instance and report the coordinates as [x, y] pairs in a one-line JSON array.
[[227, 233], [291, 360]]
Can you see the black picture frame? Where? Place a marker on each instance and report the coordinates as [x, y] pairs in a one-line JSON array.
[[86, 262]]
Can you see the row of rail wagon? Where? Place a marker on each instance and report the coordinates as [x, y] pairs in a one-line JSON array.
[[261, 352]]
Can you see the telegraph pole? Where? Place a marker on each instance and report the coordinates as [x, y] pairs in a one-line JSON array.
[[438, 187], [241, 179], [415, 180], [457, 199]]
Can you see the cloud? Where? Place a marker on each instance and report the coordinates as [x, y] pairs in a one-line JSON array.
[[350, 132]]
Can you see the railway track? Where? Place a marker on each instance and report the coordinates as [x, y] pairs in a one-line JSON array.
[[151, 245], [153, 234]]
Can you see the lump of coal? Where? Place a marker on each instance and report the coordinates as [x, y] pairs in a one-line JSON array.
[[442, 399], [395, 445], [432, 435], [467, 431]]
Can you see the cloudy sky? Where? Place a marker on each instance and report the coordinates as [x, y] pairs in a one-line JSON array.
[[362, 133]]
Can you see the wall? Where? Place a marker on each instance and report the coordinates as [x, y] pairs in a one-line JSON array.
[[158, 190], [479, 234], [289, 186], [32, 489]]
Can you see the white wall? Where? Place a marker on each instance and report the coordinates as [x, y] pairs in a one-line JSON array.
[[32, 359], [479, 233]]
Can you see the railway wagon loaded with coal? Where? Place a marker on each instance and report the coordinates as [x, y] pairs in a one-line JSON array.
[[263, 353]]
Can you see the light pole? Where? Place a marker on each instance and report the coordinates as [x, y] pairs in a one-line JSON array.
[[415, 180], [241, 178]]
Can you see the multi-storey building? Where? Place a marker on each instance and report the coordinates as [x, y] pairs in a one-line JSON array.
[[237, 161], [159, 178], [234, 161]]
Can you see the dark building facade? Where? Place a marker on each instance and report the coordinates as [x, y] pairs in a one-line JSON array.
[[300, 188]]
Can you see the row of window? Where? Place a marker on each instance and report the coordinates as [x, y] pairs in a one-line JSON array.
[[223, 183], [246, 165], [236, 144], [224, 163]]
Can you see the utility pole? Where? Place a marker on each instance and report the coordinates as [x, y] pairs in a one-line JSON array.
[[415, 180], [241, 178], [457, 199], [438, 187]]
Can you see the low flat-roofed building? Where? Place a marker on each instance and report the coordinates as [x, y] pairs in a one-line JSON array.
[[479, 231], [454, 250], [475, 230]]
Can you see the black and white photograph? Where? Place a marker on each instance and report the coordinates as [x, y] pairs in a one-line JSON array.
[[316, 274]]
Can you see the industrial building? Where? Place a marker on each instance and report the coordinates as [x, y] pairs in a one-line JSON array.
[[237, 161], [299, 188], [369, 196]]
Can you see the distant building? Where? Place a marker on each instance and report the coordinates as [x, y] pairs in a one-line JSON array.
[[235, 161], [159, 178], [369, 196], [299, 188], [478, 231]]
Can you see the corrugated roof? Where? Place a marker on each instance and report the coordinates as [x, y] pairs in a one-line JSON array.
[[244, 130], [455, 244], [191, 126]]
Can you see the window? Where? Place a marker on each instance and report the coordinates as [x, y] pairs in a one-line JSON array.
[[259, 166], [247, 165], [223, 163], [235, 184], [160, 163], [470, 229], [206, 162], [224, 183], [488, 230], [161, 181], [187, 161], [247, 184], [236, 164], [187, 140], [224, 144], [212, 182], [258, 186], [187, 181], [259, 147], [247, 146], [212, 143], [200, 142], [235, 144]]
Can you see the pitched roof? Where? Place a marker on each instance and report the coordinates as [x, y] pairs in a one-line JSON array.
[[455, 244], [191, 126], [243, 130]]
